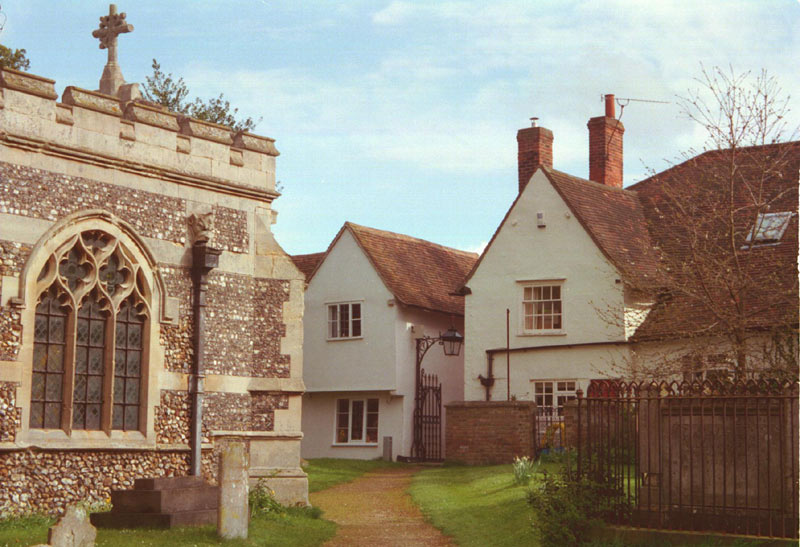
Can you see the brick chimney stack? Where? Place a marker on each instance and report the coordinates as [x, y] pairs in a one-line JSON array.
[[535, 148], [605, 147]]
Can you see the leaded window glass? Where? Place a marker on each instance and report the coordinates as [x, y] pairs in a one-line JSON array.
[[127, 366], [90, 364], [89, 337], [48, 361]]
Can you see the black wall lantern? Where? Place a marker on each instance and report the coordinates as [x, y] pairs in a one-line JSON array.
[[452, 341]]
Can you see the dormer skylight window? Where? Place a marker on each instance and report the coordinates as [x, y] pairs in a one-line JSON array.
[[769, 228]]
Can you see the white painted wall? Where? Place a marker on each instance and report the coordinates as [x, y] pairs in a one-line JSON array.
[[381, 363], [521, 251], [366, 363], [319, 415]]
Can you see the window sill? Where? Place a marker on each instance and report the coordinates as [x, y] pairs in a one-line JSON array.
[[97, 440], [345, 445], [343, 339], [544, 333]]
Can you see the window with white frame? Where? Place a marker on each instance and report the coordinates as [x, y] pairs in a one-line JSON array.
[[344, 320], [356, 421], [550, 395], [541, 308], [769, 228]]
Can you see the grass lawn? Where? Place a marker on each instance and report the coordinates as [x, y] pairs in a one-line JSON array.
[[326, 472], [476, 505], [295, 528]]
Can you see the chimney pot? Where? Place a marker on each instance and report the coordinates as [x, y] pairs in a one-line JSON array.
[[605, 146], [610, 106], [535, 148]]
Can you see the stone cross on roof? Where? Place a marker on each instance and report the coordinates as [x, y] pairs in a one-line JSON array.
[[111, 26]]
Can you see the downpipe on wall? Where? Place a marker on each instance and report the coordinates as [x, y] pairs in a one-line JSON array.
[[204, 259]]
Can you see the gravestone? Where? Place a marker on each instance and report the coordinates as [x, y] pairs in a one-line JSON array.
[[72, 530], [234, 513]]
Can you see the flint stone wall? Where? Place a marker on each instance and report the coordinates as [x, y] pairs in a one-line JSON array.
[[221, 412], [10, 413], [47, 481], [244, 325], [12, 259]]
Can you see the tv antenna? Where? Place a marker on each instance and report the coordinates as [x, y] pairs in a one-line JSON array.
[[622, 102]]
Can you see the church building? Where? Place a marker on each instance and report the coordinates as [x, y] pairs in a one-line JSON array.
[[147, 314]]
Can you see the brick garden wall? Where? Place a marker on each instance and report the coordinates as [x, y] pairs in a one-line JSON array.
[[489, 432]]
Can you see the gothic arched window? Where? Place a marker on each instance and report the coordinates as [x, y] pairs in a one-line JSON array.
[[89, 338]]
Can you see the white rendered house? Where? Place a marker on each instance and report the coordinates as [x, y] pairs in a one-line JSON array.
[[580, 266], [368, 298]]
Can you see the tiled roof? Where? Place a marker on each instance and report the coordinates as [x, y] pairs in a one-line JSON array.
[[615, 221], [419, 273], [307, 263], [612, 217], [764, 174]]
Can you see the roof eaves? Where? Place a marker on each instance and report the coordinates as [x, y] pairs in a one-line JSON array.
[[433, 310]]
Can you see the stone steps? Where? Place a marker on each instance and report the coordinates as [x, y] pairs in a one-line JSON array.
[[164, 502]]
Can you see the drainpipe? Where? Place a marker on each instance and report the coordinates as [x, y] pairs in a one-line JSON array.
[[204, 259]]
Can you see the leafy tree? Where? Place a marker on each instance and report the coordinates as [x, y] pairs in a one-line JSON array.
[[163, 89], [14, 58], [166, 90]]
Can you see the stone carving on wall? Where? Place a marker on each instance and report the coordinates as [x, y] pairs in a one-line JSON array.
[[201, 227]]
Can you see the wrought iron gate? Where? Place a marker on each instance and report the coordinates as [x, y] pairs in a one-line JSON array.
[[427, 445]]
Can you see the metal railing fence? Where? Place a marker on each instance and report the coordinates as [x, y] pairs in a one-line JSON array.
[[706, 456]]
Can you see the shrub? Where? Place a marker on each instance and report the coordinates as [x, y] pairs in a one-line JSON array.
[[567, 507], [524, 468], [562, 456], [262, 500]]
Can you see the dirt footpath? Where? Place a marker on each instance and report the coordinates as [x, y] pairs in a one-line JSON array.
[[376, 510]]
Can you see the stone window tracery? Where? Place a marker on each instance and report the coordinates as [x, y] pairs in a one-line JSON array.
[[89, 338]]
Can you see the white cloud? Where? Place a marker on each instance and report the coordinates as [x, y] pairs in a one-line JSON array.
[[397, 12], [479, 248]]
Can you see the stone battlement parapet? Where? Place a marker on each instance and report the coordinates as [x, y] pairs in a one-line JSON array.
[[140, 135]]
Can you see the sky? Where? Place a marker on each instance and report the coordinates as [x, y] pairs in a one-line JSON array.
[[402, 115]]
